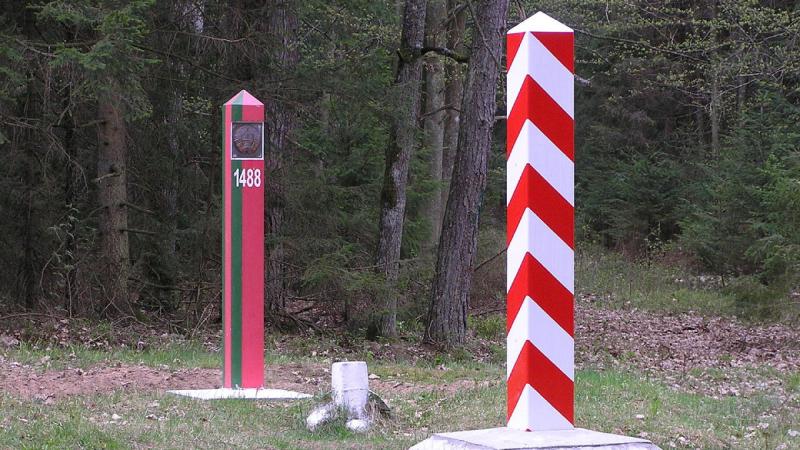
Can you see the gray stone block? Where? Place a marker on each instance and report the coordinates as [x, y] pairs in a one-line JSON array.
[[509, 439]]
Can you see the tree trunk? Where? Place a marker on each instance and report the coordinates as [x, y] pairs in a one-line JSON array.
[[280, 120], [269, 65], [434, 112], [454, 91], [26, 273], [71, 177], [168, 269], [447, 322], [26, 143], [715, 115], [401, 143], [112, 197], [715, 103]]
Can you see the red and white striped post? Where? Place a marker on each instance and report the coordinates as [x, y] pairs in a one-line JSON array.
[[540, 199], [243, 241]]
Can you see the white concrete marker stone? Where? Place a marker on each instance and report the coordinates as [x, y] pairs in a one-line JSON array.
[[249, 394], [512, 439], [350, 392], [320, 416], [350, 384], [358, 425]]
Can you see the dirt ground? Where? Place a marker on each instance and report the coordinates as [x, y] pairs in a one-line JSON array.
[[670, 348], [709, 355], [26, 382]]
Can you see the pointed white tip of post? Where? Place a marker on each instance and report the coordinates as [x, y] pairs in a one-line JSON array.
[[541, 23], [243, 98]]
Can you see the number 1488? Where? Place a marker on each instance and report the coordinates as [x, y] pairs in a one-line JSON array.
[[247, 177]]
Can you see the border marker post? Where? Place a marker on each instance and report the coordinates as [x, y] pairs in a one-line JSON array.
[[243, 241], [243, 181], [540, 209], [540, 256]]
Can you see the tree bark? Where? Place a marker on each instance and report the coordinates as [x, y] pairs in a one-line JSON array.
[[434, 112], [25, 143], [112, 196], [447, 322], [167, 98], [266, 64], [280, 120], [71, 176], [454, 91], [715, 114], [398, 153]]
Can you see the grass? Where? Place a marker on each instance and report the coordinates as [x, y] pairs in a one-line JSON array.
[[608, 401], [78, 356], [637, 407], [438, 393], [618, 282]]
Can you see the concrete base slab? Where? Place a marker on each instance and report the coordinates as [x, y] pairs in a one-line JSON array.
[[251, 394], [509, 439]]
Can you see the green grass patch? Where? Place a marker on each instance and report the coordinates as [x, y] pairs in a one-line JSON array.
[[627, 404], [612, 280], [460, 395], [176, 355]]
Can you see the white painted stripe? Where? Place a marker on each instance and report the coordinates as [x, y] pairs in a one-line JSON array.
[[534, 148], [533, 324], [535, 237], [517, 72], [535, 413], [534, 59]]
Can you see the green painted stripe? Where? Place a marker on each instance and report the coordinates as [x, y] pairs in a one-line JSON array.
[[236, 268], [238, 101], [222, 243]]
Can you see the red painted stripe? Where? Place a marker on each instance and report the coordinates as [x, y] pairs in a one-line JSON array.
[[534, 104], [534, 281], [513, 41], [252, 277], [226, 301], [534, 192], [533, 368], [253, 113], [561, 45]]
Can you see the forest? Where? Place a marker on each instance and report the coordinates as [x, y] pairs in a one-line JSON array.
[[384, 184], [384, 224]]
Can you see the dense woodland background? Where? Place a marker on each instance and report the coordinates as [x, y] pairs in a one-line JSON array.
[[379, 120]]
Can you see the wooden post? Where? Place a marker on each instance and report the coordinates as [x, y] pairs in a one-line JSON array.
[[540, 270], [243, 241]]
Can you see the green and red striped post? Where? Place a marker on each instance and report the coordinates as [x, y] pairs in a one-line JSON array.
[[243, 241]]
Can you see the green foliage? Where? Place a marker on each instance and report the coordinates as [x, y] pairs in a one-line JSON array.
[[746, 208], [114, 31], [492, 326], [686, 141], [610, 279], [12, 80], [664, 282], [755, 300], [779, 246], [687, 132], [633, 205]]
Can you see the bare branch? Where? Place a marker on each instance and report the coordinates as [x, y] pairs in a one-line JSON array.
[[137, 208], [582, 81], [136, 231], [641, 44], [445, 52], [437, 110]]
